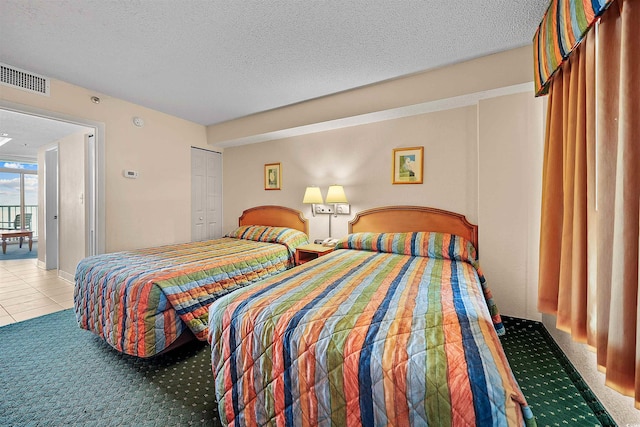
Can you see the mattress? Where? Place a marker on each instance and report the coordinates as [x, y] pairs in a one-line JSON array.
[[389, 329], [141, 301]]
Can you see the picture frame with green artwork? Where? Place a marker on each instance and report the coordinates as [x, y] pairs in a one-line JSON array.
[[272, 176], [408, 165]]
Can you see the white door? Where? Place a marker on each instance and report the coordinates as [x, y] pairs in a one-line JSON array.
[[90, 195], [206, 194], [198, 189], [51, 208], [214, 195]]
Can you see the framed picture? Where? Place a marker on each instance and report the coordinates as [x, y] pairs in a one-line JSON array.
[[407, 165], [272, 176]]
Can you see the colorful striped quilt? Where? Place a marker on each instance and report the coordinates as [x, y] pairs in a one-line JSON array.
[[141, 301], [393, 330]]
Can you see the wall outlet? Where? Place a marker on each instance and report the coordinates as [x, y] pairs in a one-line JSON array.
[[324, 209], [343, 209]]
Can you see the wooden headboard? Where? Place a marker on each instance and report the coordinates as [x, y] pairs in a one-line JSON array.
[[397, 219], [275, 216]]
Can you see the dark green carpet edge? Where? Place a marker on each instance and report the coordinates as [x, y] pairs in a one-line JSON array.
[[52, 373], [548, 395]]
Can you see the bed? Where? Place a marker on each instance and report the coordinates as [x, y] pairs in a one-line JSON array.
[[144, 302], [396, 326]]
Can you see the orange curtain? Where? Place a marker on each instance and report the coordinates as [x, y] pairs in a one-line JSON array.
[[590, 239]]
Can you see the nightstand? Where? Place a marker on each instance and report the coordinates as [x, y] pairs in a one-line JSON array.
[[306, 253]]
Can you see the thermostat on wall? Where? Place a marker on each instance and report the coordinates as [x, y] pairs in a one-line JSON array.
[[130, 174]]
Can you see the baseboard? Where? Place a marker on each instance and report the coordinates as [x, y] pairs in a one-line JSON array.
[[66, 276], [61, 274]]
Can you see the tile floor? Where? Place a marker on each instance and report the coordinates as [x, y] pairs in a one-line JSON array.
[[27, 291]]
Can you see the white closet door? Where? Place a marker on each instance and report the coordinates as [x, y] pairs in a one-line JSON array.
[[206, 194], [214, 195]]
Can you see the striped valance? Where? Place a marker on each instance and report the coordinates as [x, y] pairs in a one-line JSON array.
[[563, 26]]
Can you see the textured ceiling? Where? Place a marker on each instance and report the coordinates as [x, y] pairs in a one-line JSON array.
[[210, 61]]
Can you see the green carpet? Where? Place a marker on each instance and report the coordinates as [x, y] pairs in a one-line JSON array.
[[14, 251], [55, 374], [556, 392], [52, 373]]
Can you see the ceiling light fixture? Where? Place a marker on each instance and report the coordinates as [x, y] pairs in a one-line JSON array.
[[95, 100], [4, 140]]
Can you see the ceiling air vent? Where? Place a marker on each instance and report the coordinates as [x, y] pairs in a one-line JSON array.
[[21, 79]]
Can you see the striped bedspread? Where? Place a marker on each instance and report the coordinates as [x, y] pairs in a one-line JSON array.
[[392, 329], [141, 301]]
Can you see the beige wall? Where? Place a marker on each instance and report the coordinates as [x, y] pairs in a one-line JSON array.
[[155, 208], [359, 158], [482, 160], [510, 135]]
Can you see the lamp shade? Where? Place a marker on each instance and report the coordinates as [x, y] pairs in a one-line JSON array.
[[312, 195], [336, 194]]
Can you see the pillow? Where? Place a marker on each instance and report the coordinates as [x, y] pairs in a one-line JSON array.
[[288, 237], [422, 243]]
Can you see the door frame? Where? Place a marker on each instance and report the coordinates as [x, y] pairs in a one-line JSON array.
[[99, 168]]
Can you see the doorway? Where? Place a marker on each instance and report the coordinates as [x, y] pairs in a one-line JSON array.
[[34, 129]]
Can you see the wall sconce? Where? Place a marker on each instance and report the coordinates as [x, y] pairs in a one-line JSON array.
[[312, 195], [336, 195]]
